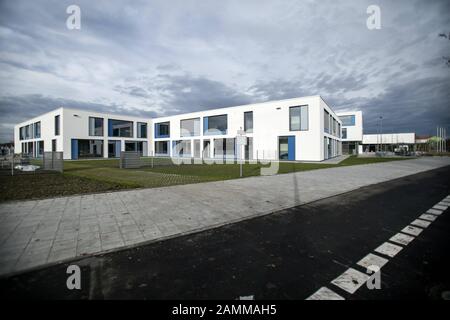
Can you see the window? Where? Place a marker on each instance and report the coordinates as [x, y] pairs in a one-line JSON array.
[[141, 130], [22, 133], [224, 148], [326, 122], [162, 130], [162, 148], [344, 133], [248, 121], [37, 129], [120, 128], [95, 126], [27, 132], [348, 120], [215, 124], [298, 118], [40, 148], [190, 127], [137, 146], [57, 125], [90, 148], [54, 145], [182, 148]]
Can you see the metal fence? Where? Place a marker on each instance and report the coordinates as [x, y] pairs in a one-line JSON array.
[[130, 160], [53, 161]]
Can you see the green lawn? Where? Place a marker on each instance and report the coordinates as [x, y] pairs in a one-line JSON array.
[[88, 176]]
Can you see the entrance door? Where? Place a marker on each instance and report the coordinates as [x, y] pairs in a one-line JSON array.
[[286, 148]]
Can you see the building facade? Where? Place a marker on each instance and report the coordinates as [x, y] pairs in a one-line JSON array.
[[302, 129], [352, 131]]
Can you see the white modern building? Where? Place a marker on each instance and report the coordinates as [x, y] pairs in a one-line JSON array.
[[303, 129], [352, 131], [388, 142]]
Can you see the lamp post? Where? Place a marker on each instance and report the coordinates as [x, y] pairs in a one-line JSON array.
[[381, 132]]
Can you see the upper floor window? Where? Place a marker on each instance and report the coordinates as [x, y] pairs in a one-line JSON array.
[[22, 133], [215, 124], [162, 130], [344, 133], [326, 122], [37, 129], [57, 125], [27, 132], [190, 127], [120, 128], [95, 126], [248, 121], [141, 130], [348, 120], [298, 118]]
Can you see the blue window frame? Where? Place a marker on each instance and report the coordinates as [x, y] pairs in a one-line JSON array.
[[162, 130]]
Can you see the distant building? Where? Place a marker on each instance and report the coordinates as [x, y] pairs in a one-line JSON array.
[[352, 131]]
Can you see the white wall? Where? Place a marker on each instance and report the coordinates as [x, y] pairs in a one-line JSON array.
[[76, 126], [47, 131], [270, 121], [389, 138], [354, 133]]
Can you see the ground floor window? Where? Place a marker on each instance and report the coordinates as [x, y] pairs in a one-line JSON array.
[[90, 148], [54, 145], [182, 148], [225, 148], [114, 148], [161, 148], [139, 146]]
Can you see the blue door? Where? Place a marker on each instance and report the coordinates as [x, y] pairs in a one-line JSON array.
[[286, 148], [74, 149], [291, 148]]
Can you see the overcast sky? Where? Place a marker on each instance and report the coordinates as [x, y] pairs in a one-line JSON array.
[[155, 58]]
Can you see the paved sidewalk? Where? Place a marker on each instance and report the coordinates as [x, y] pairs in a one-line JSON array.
[[34, 233]]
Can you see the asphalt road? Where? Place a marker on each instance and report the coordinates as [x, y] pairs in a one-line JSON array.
[[285, 255]]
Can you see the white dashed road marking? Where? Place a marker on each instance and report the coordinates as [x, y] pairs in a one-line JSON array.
[[429, 217], [372, 260], [421, 223], [412, 230], [350, 280], [325, 294], [434, 211], [402, 239], [389, 249]]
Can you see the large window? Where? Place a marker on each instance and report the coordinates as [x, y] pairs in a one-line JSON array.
[[298, 118], [141, 130], [22, 133], [248, 121], [120, 128], [162, 130], [57, 125], [326, 121], [90, 148], [137, 146], [95, 126], [161, 148], [190, 127], [27, 132], [344, 133], [215, 125], [37, 129], [348, 120], [182, 148], [224, 148]]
